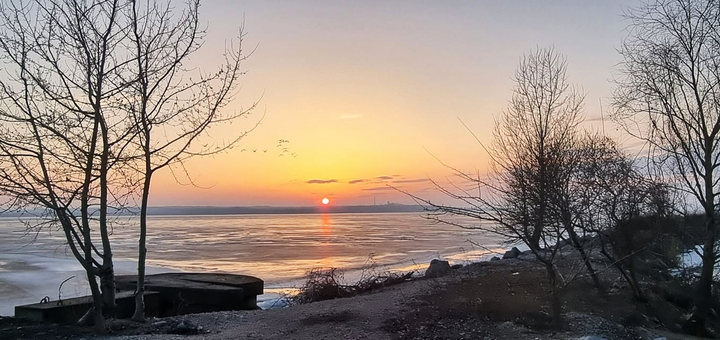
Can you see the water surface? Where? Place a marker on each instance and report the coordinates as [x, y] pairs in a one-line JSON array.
[[279, 249]]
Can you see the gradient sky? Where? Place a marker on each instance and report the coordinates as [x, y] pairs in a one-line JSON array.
[[366, 92]]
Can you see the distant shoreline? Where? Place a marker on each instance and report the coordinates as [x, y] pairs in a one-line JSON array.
[[210, 210], [256, 210]]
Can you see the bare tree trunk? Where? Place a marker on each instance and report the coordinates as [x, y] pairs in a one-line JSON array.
[[555, 299], [535, 238], [575, 241], [139, 314], [696, 323], [628, 275], [96, 311], [107, 270], [97, 308], [107, 287], [630, 279], [107, 273]]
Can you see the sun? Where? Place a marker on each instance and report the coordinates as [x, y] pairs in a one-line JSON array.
[[325, 201]]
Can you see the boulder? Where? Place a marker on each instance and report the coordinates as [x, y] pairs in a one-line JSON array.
[[512, 253], [437, 268], [495, 258], [562, 244], [184, 328], [527, 256]]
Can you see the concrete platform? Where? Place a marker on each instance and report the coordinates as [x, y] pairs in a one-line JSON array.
[[69, 311], [165, 295], [185, 293]]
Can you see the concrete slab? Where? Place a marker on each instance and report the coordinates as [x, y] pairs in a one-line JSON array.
[[185, 293], [69, 311]]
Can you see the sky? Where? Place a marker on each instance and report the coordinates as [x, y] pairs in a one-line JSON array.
[[370, 95]]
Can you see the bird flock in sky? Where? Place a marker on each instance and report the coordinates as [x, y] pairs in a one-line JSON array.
[[282, 146]]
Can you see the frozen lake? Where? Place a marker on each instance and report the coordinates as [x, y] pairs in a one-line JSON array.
[[279, 249]]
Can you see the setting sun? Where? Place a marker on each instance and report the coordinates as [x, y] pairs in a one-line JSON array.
[[325, 201]]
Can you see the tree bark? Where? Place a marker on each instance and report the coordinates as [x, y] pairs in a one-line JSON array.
[[696, 324], [575, 241], [555, 301], [139, 314]]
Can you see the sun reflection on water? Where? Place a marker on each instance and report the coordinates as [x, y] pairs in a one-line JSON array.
[[325, 225]]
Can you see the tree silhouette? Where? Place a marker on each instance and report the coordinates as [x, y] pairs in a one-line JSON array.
[[172, 112], [96, 99], [668, 96]]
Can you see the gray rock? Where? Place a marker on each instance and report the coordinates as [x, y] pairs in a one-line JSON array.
[[184, 328], [648, 334], [527, 256], [456, 266], [589, 337], [512, 253], [562, 243], [437, 268], [495, 258]]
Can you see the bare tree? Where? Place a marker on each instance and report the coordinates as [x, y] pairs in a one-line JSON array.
[[60, 131], [170, 110], [570, 203], [531, 154], [669, 96], [96, 100], [532, 139], [622, 206]]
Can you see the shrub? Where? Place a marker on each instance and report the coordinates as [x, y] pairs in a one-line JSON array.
[[327, 284]]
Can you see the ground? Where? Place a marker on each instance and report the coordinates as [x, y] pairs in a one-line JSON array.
[[491, 300]]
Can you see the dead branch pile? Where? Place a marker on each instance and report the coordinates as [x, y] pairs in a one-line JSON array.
[[327, 284]]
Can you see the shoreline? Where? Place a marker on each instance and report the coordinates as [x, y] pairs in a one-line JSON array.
[[504, 299], [24, 278]]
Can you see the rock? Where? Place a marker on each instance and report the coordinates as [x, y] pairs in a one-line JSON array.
[[566, 245], [159, 323], [527, 256], [589, 337], [437, 268], [184, 328], [456, 266], [562, 243], [495, 258], [512, 253]]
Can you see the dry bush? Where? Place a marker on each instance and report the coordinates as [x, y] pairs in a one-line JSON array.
[[327, 284]]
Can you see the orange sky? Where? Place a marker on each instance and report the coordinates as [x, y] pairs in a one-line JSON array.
[[362, 89]]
